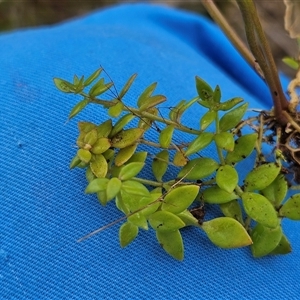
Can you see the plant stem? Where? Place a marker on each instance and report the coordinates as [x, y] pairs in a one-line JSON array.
[[144, 114], [239, 191], [148, 182], [231, 34], [262, 52], [219, 150], [258, 145], [247, 223]]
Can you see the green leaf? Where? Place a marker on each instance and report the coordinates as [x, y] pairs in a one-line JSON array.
[[115, 110], [207, 119], [262, 176], [171, 243], [233, 117], [284, 246], [180, 198], [244, 145], [130, 201], [80, 85], [227, 178], [82, 165], [202, 141], [260, 209], [84, 155], [89, 175], [152, 101], [91, 137], [198, 168], [75, 162], [101, 195], [127, 137], [146, 94], [92, 77], [104, 129], [130, 170], [179, 159], [276, 191], [127, 233], [217, 94], [291, 208], [109, 154], [207, 104], [99, 165], [85, 127], [188, 218], [135, 188], [146, 123], [225, 140], [125, 154], [265, 239], [165, 221], [78, 108], [64, 86], [97, 185], [121, 204], [139, 220], [138, 157], [101, 145], [127, 86], [226, 233], [152, 204], [113, 188], [216, 195], [121, 123], [233, 210], [75, 80], [229, 104], [99, 88], [160, 164], [165, 136], [174, 111], [177, 112], [204, 90], [291, 62]]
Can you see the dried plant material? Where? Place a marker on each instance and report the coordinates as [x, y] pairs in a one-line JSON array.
[[291, 18]]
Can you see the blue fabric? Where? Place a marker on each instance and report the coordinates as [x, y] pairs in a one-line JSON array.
[[43, 208]]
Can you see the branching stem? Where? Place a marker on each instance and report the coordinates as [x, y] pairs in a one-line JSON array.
[[144, 114], [231, 34], [262, 52]]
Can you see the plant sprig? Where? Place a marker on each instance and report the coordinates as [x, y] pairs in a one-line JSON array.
[[110, 154]]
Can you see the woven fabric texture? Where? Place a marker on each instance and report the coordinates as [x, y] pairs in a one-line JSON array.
[[43, 210]]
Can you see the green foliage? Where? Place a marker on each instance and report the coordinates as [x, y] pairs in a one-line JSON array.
[[226, 232], [253, 205]]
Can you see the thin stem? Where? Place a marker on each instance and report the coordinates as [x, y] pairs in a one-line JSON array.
[[295, 187], [231, 34], [219, 150], [152, 144], [259, 139], [148, 182], [239, 191], [147, 115], [247, 223], [262, 52]]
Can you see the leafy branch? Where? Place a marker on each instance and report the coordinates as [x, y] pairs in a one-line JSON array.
[[109, 153]]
